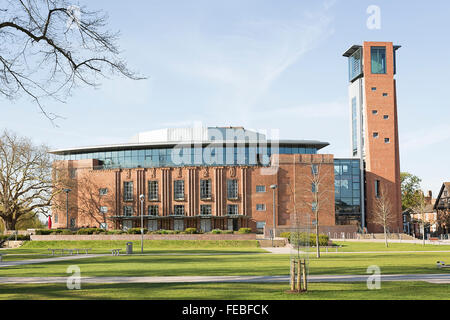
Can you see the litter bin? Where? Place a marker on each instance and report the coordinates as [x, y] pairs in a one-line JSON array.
[[129, 247]]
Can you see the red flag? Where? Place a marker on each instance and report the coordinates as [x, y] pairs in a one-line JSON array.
[[49, 222]]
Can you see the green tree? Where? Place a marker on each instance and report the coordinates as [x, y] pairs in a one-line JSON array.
[[411, 191]]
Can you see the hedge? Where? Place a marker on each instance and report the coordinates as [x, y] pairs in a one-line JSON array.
[[13, 237], [245, 230], [323, 239], [136, 231]]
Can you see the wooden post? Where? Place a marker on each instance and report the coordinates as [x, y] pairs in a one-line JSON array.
[[299, 275], [292, 275], [304, 276]]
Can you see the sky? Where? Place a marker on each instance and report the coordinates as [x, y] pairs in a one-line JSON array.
[[260, 64]]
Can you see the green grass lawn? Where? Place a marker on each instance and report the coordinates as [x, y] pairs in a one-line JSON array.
[[245, 264], [227, 291]]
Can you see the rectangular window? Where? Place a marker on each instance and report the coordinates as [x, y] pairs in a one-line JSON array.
[[315, 169], [153, 191], [179, 189], [260, 189], [385, 117], [73, 173], [354, 127], [232, 209], [387, 140], [260, 207], [314, 188], [178, 210], [153, 210], [56, 218], [385, 94], [377, 188], [127, 211], [374, 111], [205, 189], [205, 209], [104, 209], [232, 189], [103, 191], [128, 191], [378, 60], [355, 65], [375, 134]]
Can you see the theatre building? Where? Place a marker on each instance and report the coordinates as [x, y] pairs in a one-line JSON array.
[[229, 177]]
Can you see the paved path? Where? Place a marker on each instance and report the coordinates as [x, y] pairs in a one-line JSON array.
[[430, 278], [287, 250]]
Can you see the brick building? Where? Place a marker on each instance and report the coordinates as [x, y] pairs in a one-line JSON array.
[[229, 177]]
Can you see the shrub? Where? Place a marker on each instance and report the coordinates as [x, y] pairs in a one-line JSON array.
[[43, 232], [115, 232], [227, 231], [323, 239], [216, 231], [190, 231], [135, 231], [67, 232], [245, 230], [12, 238]]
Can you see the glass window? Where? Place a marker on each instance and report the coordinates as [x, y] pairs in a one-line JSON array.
[[205, 189], [260, 207], [103, 209], [153, 190], [386, 140], [153, 210], [232, 189], [103, 191], [232, 209], [179, 189], [127, 211], [128, 191], [355, 65], [385, 117], [378, 60], [179, 210], [205, 209], [377, 188], [260, 189]]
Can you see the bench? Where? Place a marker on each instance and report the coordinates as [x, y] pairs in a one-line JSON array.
[[115, 252], [86, 250], [69, 251]]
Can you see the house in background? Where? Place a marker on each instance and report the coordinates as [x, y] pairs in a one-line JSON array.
[[442, 207]]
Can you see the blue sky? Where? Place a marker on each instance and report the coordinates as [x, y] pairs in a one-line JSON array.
[[263, 65]]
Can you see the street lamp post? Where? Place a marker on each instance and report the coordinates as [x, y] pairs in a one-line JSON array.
[[142, 198], [67, 206], [273, 187]]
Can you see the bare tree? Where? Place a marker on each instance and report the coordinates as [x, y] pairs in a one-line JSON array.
[[419, 210], [383, 214], [26, 182], [48, 47], [315, 194]]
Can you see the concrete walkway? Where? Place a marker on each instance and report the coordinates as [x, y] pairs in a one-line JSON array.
[[287, 250], [430, 278]]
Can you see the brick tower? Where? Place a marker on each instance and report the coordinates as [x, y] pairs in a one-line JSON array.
[[374, 139]]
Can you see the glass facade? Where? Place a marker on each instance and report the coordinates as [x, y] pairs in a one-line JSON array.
[[355, 65], [378, 60], [354, 127], [188, 156], [347, 190]]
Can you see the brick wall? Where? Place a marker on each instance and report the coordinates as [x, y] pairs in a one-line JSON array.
[[146, 237]]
